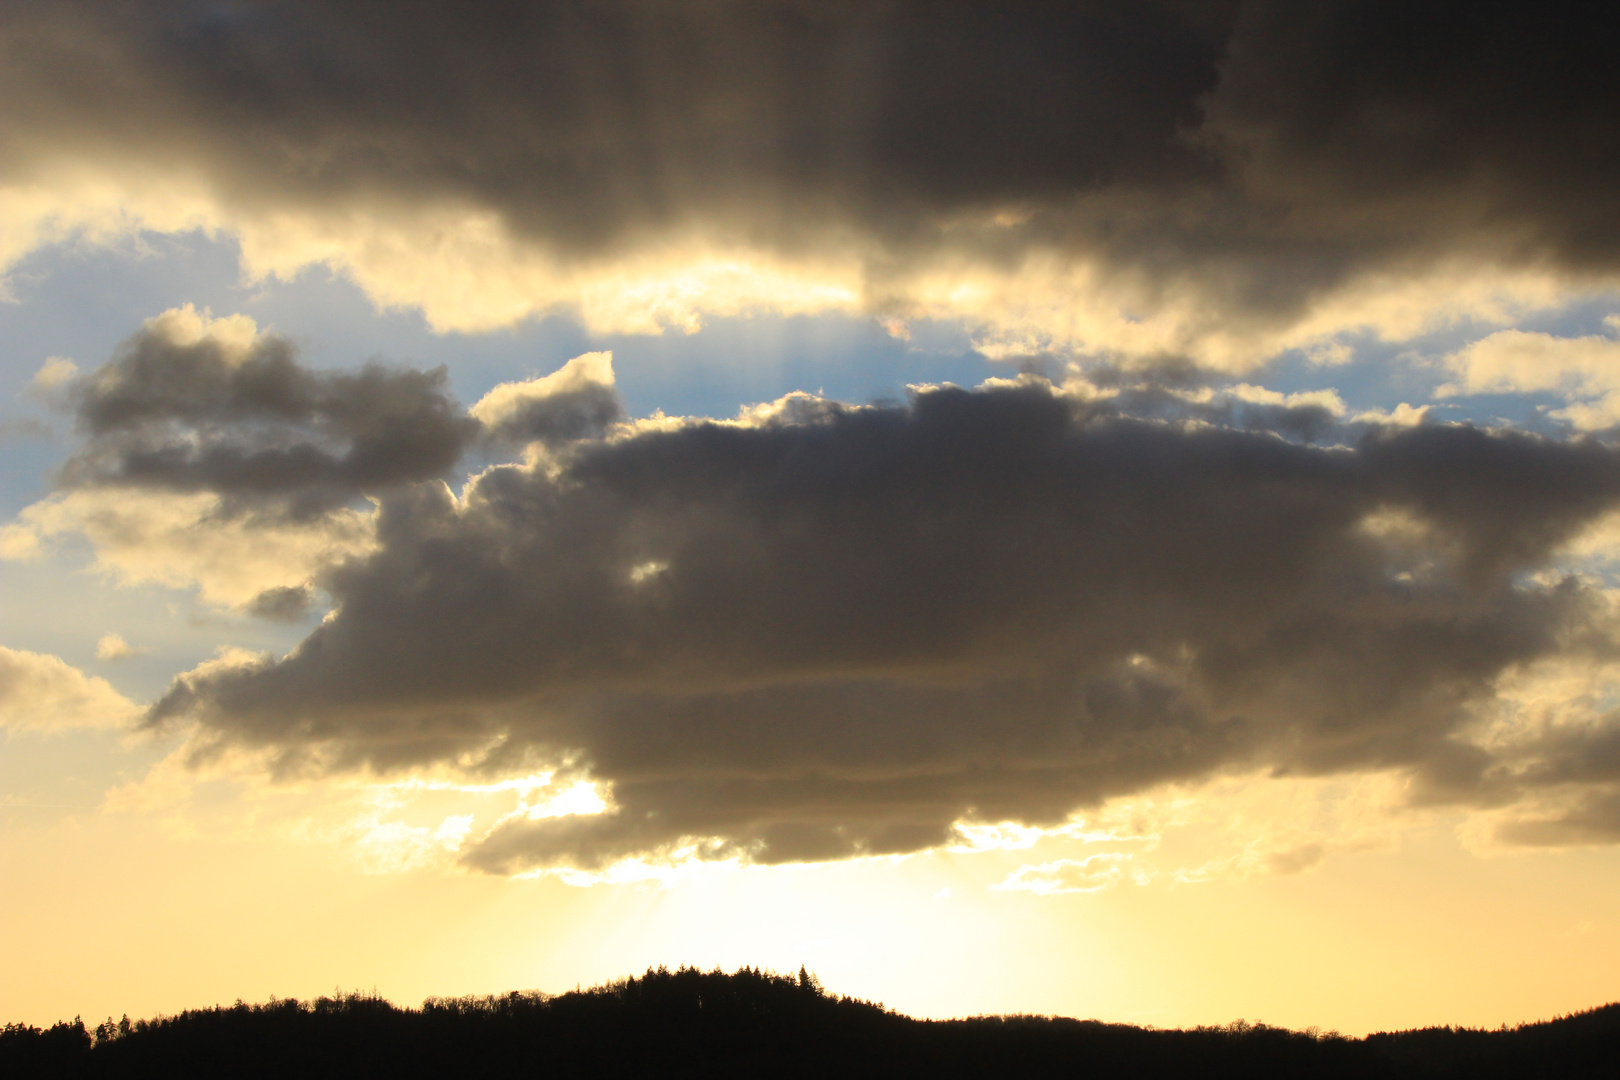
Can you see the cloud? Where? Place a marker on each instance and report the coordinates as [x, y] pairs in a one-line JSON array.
[[186, 541], [1552, 745], [44, 693], [1593, 817], [210, 457], [575, 401], [1403, 415], [1220, 181], [820, 631], [1312, 416], [1585, 371], [191, 403], [113, 647], [53, 374], [282, 603]]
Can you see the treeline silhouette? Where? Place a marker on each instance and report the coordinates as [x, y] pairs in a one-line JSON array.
[[757, 1023]]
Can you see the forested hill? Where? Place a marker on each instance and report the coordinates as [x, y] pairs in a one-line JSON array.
[[758, 1024]]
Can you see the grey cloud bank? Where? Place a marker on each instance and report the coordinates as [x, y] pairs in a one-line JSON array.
[[1249, 158], [830, 631]]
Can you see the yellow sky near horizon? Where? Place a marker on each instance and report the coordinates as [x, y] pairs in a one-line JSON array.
[[114, 913]]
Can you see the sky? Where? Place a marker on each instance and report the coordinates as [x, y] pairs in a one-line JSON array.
[[1086, 509]]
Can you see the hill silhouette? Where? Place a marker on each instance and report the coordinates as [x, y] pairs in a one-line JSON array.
[[690, 1023]]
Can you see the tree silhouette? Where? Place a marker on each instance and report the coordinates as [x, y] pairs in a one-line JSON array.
[[752, 1022]]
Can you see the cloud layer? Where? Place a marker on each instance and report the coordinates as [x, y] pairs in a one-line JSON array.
[[821, 631], [1211, 179]]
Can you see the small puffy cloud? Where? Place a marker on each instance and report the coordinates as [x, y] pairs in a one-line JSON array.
[[114, 647], [576, 401], [1402, 415], [44, 693], [53, 374]]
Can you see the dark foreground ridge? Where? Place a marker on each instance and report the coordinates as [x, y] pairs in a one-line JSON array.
[[756, 1023]]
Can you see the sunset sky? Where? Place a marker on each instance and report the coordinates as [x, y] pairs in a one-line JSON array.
[[1099, 509]]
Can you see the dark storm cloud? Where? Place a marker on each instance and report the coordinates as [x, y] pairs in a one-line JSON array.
[[839, 630], [206, 411], [1495, 114], [1258, 153], [585, 122]]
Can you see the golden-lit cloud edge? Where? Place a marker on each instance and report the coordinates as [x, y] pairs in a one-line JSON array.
[[467, 272]]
